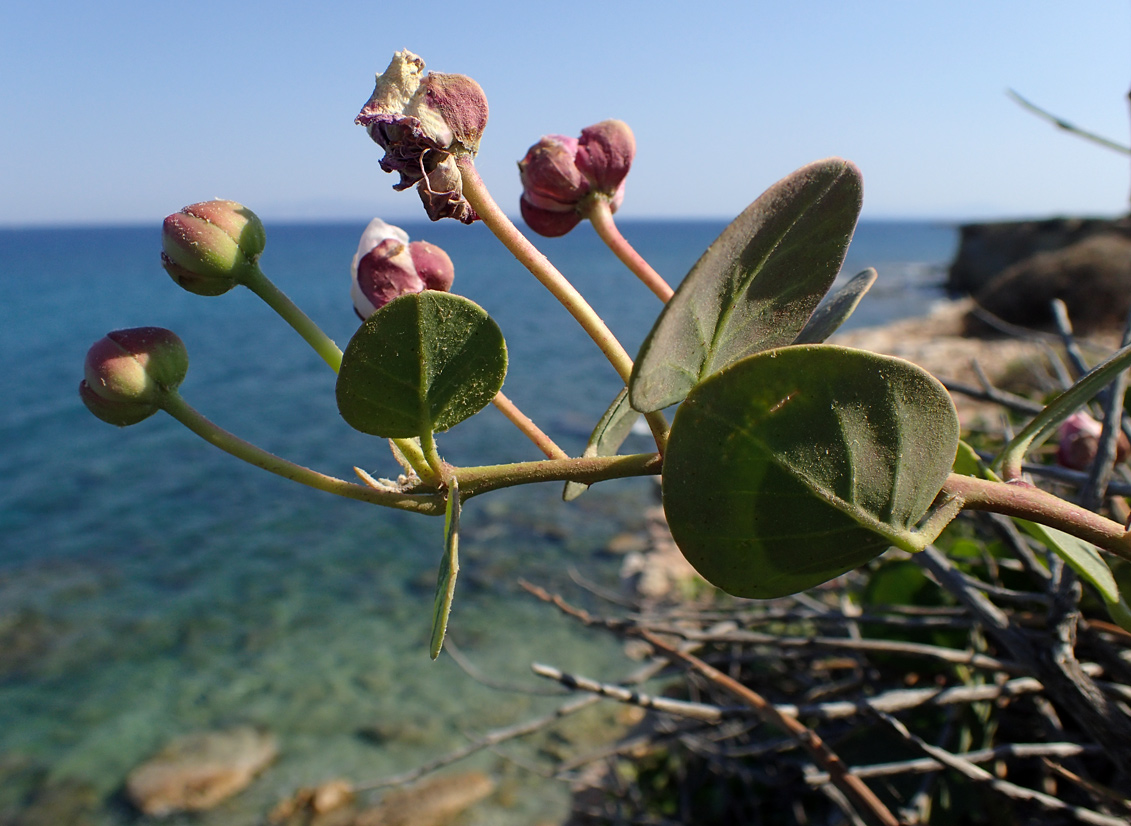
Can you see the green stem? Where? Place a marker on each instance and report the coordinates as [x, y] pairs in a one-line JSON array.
[[410, 451], [520, 247], [435, 468], [180, 410], [1027, 502], [588, 470], [600, 215], [277, 300], [1057, 411]]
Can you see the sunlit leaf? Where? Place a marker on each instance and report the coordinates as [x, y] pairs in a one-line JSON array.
[[449, 568], [793, 466], [836, 309], [421, 363], [755, 286], [608, 436]]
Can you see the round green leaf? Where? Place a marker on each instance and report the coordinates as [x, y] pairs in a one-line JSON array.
[[792, 466], [422, 363]]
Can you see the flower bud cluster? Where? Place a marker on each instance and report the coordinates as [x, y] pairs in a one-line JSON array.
[[211, 246], [562, 176], [128, 371], [387, 265], [423, 121]]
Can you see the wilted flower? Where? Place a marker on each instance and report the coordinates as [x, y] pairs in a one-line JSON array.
[[211, 246], [1079, 436], [441, 192], [561, 176], [127, 371], [387, 265], [421, 121]]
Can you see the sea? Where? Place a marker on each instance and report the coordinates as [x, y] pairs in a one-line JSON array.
[[152, 586]]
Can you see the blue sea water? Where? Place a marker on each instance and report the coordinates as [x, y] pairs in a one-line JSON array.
[[151, 585]]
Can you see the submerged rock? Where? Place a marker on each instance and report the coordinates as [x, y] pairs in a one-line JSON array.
[[198, 771], [327, 804], [431, 803]]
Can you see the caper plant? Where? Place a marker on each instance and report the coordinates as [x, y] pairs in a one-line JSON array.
[[788, 462]]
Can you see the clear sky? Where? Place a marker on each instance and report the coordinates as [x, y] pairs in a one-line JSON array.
[[125, 111]]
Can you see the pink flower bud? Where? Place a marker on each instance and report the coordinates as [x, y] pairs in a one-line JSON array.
[[387, 266], [604, 155], [211, 246], [421, 121], [1079, 436], [560, 176], [128, 371], [432, 265]]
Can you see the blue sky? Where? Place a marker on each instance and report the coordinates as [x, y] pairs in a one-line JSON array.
[[126, 111]]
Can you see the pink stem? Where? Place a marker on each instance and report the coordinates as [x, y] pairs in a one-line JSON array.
[[601, 217]]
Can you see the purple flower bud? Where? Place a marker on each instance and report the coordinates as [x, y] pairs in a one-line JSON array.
[[421, 121], [432, 265], [127, 372], [1079, 437], [561, 176], [604, 155], [211, 246], [387, 266]]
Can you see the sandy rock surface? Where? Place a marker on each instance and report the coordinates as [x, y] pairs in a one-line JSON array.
[[199, 770]]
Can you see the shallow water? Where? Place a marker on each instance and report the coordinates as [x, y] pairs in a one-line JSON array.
[[151, 586]]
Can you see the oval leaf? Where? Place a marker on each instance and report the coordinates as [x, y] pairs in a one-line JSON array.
[[421, 363], [793, 466], [755, 286], [832, 313], [608, 436], [446, 576]]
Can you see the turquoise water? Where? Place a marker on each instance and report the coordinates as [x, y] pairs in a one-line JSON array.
[[151, 585]]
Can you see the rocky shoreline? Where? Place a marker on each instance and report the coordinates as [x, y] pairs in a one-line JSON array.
[[1015, 269]]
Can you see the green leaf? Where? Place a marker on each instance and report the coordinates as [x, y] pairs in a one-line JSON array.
[[608, 436], [449, 568], [790, 467], [421, 363], [834, 311], [755, 286]]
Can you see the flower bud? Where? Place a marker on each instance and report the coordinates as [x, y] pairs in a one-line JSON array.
[[604, 155], [386, 266], [211, 246], [432, 265], [560, 176], [418, 118], [1079, 436], [128, 371]]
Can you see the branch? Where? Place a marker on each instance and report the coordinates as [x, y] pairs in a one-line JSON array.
[[1060, 123], [1011, 790]]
